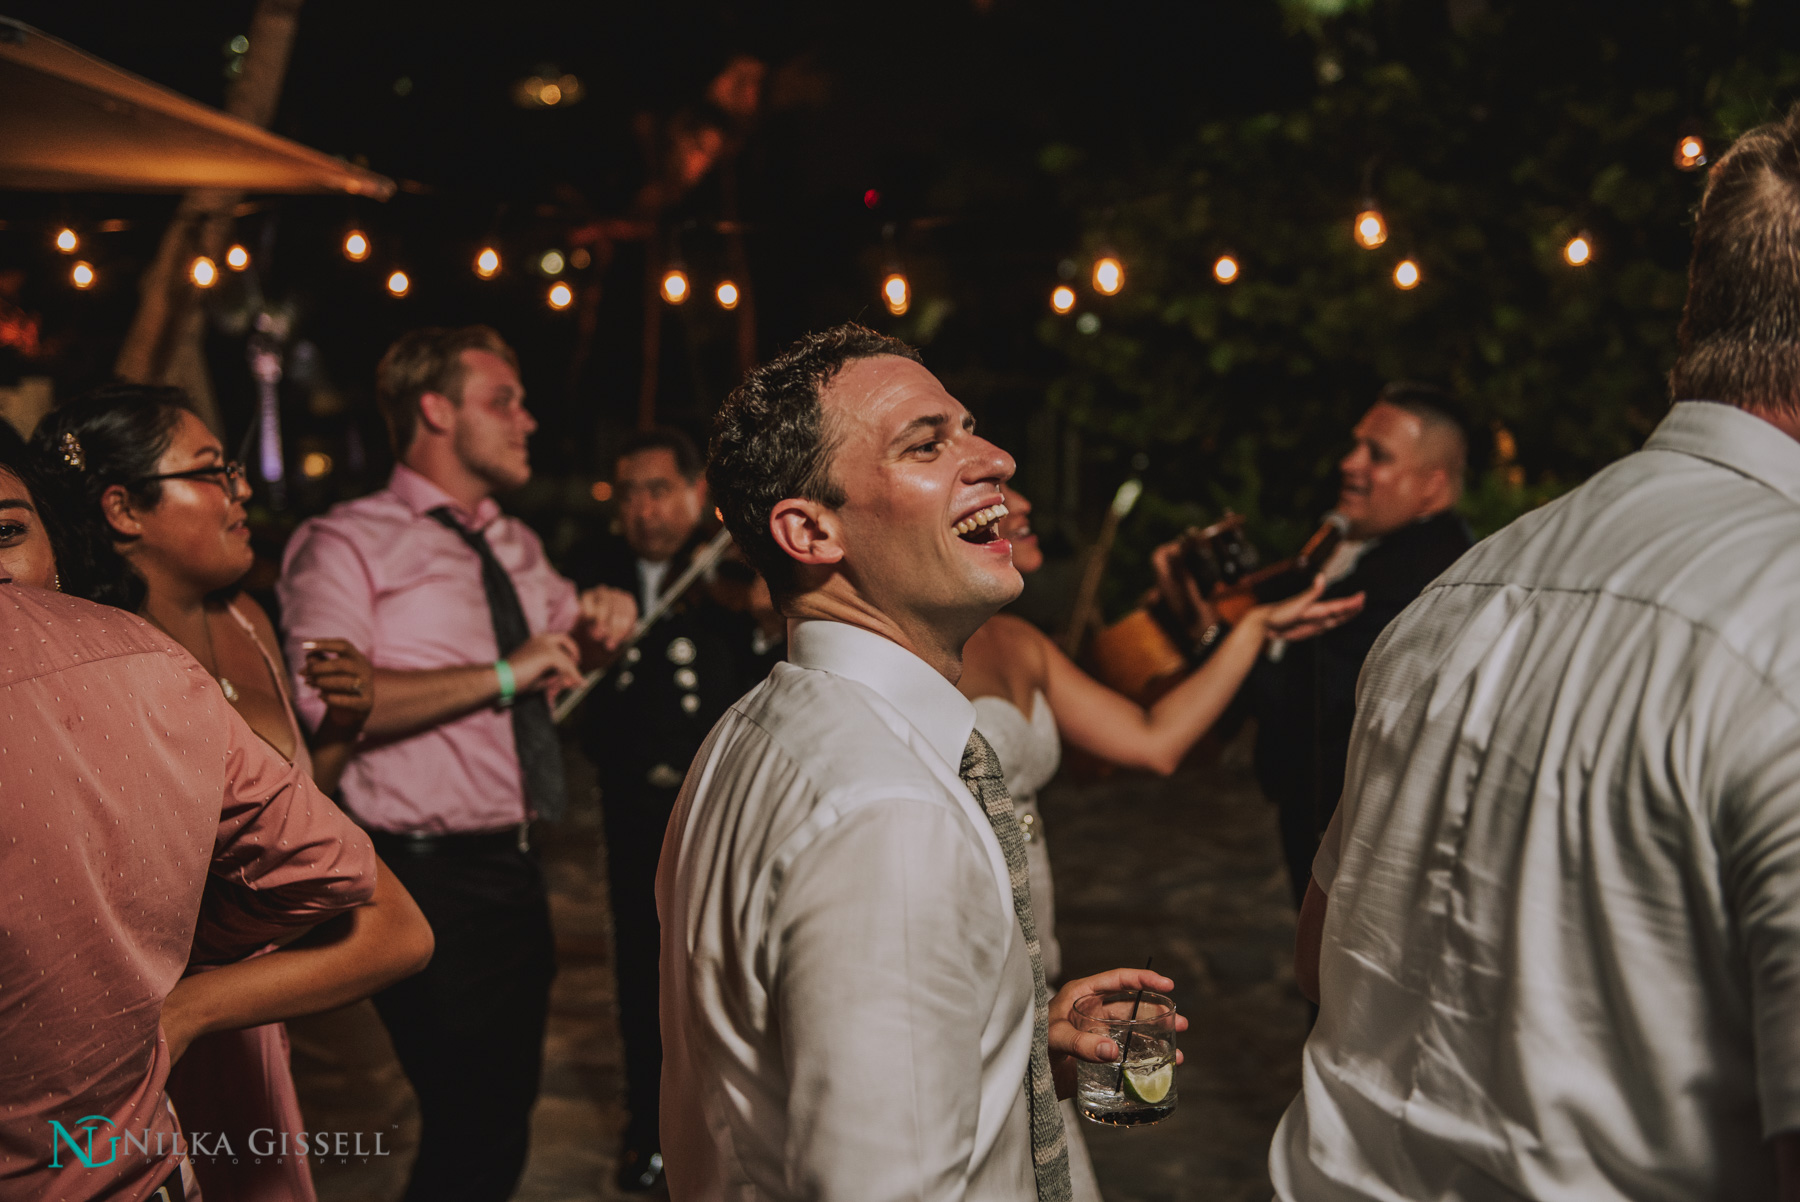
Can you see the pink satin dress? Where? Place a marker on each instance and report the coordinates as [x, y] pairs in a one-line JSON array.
[[239, 1083]]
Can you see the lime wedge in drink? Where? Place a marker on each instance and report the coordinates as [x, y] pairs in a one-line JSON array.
[[1150, 1086]]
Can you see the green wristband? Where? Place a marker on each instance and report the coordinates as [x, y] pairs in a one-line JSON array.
[[509, 684]]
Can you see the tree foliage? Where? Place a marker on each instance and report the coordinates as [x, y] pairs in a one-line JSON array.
[[1488, 134]]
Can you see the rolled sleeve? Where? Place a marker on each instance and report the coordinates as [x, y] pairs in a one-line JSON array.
[[883, 992], [285, 855], [326, 592]]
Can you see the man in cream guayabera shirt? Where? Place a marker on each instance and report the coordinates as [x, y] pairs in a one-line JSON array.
[[850, 980], [1554, 928]]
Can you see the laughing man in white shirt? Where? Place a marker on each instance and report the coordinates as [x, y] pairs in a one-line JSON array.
[[1554, 928], [849, 999]]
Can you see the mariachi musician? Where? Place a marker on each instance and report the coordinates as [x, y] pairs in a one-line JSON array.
[[1400, 483], [644, 722]]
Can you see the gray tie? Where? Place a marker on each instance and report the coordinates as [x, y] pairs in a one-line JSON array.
[[1049, 1145]]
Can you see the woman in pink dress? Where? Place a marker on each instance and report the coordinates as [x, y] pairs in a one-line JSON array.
[[170, 540]]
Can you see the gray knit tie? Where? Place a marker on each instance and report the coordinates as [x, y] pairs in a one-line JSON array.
[[1049, 1145]]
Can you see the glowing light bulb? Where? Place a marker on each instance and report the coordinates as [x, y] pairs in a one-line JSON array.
[[897, 292], [82, 275], [397, 283], [602, 491], [356, 246], [1578, 251], [552, 262], [550, 95], [727, 294], [1225, 269], [1406, 275], [1062, 298], [1371, 229], [1690, 152], [237, 258], [487, 263], [66, 241], [315, 464], [675, 286], [204, 272], [1109, 275], [561, 296]]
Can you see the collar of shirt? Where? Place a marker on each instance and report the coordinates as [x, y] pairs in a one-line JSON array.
[[650, 581], [1732, 438], [421, 496], [921, 694]]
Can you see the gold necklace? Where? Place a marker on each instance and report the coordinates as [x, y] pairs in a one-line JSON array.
[[225, 686]]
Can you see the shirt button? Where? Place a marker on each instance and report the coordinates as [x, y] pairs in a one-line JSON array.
[[690, 703], [685, 678]]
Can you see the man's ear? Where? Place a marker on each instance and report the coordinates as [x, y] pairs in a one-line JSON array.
[[806, 531], [121, 512], [437, 412]]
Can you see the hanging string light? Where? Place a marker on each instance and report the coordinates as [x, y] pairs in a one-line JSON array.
[[356, 246], [897, 293], [82, 275], [561, 296], [675, 287], [552, 262], [1371, 227], [1109, 275], [726, 294], [1225, 269], [487, 263], [1579, 251], [1062, 298], [237, 258], [397, 283], [1690, 152], [66, 241], [1406, 275], [204, 272]]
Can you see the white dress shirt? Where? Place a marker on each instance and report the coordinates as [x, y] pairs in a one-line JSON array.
[[1562, 953], [846, 996]]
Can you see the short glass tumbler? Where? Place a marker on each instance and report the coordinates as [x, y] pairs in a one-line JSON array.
[[1142, 1090]]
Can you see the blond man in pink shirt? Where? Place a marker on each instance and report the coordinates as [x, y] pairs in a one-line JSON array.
[[470, 631]]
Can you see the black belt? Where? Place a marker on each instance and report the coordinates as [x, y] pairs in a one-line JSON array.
[[471, 843]]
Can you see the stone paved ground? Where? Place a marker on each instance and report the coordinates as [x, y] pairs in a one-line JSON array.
[[1186, 869]]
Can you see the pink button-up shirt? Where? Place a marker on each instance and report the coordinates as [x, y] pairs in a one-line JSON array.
[[379, 572], [126, 779]]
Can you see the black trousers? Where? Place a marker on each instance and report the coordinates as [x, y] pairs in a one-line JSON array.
[[635, 822], [469, 1030]]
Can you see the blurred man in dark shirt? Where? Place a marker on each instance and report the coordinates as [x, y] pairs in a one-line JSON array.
[[1400, 482], [645, 722]]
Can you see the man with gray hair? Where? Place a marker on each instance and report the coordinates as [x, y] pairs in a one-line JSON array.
[[1553, 928]]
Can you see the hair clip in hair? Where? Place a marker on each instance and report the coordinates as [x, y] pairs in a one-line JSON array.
[[72, 453]]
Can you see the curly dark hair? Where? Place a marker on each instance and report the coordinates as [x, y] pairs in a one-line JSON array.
[[123, 431], [770, 442]]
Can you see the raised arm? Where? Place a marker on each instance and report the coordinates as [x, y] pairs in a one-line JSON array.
[[1114, 727]]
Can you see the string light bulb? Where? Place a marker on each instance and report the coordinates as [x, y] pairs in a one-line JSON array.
[[552, 262], [1371, 228], [1109, 275], [1690, 152], [675, 287], [726, 294], [397, 283], [204, 272], [1406, 275], [356, 246], [237, 258], [66, 240], [1578, 251], [1062, 298], [897, 293], [82, 275], [1225, 269], [487, 263], [561, 296]]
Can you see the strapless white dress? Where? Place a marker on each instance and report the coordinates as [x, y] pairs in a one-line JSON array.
[[1030, 752]]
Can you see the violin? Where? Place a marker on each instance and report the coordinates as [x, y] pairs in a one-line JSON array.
[[1150, 650]]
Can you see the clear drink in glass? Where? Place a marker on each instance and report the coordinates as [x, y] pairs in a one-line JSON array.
[[1142, 1089]]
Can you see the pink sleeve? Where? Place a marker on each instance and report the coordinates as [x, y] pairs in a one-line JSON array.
[[325, 593], [285, 855]]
